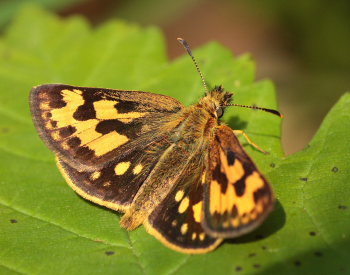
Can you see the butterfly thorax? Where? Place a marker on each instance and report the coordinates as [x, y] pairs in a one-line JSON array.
[[199, 120]]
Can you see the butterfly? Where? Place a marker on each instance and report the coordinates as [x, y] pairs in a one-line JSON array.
[[177, 170]]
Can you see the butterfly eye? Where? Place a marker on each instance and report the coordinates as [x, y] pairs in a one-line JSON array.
[[219, 112]]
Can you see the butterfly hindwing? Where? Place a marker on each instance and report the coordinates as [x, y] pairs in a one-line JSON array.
[[88, 127], [237, 197], [177, 219], [116, 184]]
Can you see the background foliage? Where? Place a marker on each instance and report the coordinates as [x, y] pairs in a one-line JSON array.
[[45, 228]]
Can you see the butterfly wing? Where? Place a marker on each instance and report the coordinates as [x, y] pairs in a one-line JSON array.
[[88, 127], [116, 184], [237, 197], [176, 221]]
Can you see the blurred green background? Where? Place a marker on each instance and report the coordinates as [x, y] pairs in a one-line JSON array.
[[302, 46]]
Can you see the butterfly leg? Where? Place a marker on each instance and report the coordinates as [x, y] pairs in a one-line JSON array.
[[241, 132]]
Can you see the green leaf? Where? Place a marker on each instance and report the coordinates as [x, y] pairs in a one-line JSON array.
[[45, 228]]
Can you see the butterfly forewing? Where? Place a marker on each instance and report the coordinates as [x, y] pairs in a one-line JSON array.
[[237, 197], [88, 127]]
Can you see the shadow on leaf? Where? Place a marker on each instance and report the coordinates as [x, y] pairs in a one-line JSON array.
[[236, 123], [273, 223]]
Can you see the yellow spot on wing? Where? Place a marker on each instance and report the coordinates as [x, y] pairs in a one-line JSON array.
[[184, 228], [194, 236], [44, 106], [235, 222], [78, 91], [246, 203], [203, 177], [184, 205], [215, 194], [137, 169], [201, 236], [107, 143], [197, 211], [121, 168], [245, 219], [108, 109], [64, 115], [233, 172], [95, 175], [65, 146], [106, 184], [55, 135], [179, 195]]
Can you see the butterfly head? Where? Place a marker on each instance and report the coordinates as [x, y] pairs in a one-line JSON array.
[[215, 101]]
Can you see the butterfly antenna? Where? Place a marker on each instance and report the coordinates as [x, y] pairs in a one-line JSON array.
[[188, 49], [271, 111]]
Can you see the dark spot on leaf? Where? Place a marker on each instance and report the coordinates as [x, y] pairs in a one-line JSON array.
[[252, 255], [238, 268], [342, 207], [256, 265], [303, 179], [263, 247], [335, 169], [13, 221], [318, 254], [297, 263], [109, 253], [230, 157], [312, 233], [272, 165]]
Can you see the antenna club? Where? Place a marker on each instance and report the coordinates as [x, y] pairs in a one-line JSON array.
[[271, 111]]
